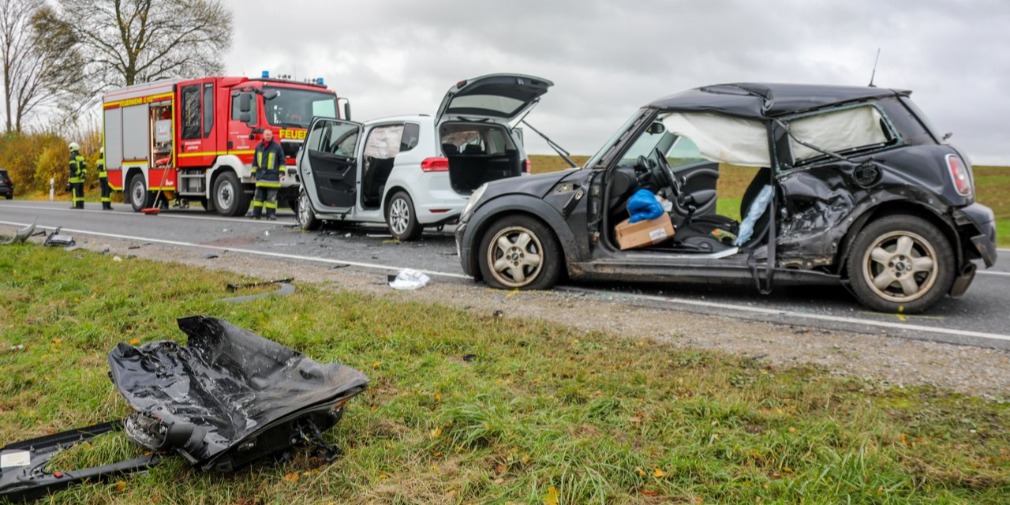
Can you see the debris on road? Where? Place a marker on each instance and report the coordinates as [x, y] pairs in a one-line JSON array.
[[235, 287], [20, 236], [55, 239], [408, 279]]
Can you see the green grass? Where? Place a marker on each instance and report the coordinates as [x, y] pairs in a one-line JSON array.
[[600, 418]]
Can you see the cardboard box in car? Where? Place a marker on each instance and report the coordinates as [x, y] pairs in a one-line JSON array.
[[643, 233]]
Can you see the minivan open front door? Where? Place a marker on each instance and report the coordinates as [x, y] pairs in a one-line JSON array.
[[329, 168]]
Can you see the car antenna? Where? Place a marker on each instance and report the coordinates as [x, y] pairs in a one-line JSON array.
[[874, 72]]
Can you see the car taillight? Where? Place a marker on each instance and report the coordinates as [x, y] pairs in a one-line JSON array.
[[959, 174], [435, 165], [527, 166]]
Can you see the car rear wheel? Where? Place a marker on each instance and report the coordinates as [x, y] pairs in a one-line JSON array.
[[401, 218], [306, 218], [519, 252], [901, 264]]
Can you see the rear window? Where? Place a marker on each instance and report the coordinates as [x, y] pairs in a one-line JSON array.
[[849, 130], [486, 104]]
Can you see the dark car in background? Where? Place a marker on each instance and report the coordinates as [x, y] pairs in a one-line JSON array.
[[850, 185], [6, 185]]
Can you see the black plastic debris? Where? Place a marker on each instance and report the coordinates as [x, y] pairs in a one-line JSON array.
[[225, 399], [56, 239], [284, 288], [229, 396], [23, 475]]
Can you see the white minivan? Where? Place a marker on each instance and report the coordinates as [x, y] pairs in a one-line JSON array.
[[417, 171]]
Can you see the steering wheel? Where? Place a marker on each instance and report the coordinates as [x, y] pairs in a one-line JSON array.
[[662, 173]]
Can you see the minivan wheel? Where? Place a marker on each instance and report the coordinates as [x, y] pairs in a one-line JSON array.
[[519, 252], [901, 263], [306, 218], [401, 218]]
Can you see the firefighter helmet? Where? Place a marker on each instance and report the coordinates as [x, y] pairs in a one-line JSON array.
[[74, 146]]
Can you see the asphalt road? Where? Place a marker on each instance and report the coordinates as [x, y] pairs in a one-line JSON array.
[[981, 317]]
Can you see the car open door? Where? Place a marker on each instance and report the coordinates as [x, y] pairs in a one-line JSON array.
[[504, 97], [329, 166]]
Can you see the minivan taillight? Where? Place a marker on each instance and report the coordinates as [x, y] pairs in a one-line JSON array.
[[435, 165], [959, 174], [527, 166]]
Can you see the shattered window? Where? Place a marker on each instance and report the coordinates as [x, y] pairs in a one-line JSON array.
[[384, 142], [838, 131]]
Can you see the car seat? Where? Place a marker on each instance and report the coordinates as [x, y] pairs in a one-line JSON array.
[[715, 233]]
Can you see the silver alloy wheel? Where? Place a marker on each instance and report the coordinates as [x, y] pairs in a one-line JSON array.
[[304, 212], [399, 216], [901, 266], [515, 255]]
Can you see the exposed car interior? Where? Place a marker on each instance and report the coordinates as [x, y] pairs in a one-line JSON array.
[[381, 147], [478, 153], [671, 167]]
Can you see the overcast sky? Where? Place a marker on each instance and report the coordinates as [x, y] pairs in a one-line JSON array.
[[607, 59]]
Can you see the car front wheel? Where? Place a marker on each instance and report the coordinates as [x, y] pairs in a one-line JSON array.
[[306, 218], [901, 264], [519, 252]]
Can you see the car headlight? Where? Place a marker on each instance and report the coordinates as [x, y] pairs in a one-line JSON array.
[[479, 192]]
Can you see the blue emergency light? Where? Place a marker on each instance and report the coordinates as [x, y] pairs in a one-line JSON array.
[[266, 74], [319, 81]]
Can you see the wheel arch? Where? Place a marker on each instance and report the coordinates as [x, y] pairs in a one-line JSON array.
[[899, 207], [523, 205], [388, 195]]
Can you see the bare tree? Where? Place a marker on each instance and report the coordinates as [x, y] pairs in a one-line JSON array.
[[132, 41], [38, 61]]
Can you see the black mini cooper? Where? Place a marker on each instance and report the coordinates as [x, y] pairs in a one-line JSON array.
[[850, 185]]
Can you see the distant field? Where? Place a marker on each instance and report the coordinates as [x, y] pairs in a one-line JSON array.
[[992, 185]]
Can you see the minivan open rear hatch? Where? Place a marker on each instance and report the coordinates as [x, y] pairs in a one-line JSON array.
[[504, 97]]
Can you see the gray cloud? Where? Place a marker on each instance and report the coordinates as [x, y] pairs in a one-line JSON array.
[[609, 58]]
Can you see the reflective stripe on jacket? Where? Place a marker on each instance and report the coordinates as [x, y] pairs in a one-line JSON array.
[[78, 168], [102, 172], [268, 161]]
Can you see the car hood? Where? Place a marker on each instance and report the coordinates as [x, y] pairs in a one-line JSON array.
[[503, 97], [537, 185]]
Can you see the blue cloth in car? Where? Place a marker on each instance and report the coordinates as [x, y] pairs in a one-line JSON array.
[[643, 206]]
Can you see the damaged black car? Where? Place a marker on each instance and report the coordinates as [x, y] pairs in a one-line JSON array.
[[850, 185]]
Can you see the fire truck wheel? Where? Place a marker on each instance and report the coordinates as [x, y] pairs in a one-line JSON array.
[[140, 197], [230, 199]]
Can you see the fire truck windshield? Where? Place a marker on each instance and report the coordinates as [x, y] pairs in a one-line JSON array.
[[294, 108]]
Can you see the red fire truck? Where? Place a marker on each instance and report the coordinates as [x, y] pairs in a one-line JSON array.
[[193, 139]]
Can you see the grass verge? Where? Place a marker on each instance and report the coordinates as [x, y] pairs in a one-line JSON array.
[[466, 408]]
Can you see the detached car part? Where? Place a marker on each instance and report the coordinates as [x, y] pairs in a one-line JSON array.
[[224, 400], [20, 236]]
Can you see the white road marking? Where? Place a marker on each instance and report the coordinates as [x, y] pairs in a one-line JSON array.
[[239, 250], [801, 315], [280, 220], [671, 300]]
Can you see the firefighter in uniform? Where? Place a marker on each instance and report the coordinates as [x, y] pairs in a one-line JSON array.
[[103, 181], [268, 161], [78, 169]]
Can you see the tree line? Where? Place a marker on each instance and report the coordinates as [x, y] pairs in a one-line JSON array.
[[58, 57]]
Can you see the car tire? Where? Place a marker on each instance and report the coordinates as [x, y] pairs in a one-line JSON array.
[[401, 219], [900, 263], [9, 196], [519, 252], [140, 197], [230, 199], [307, 219]]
